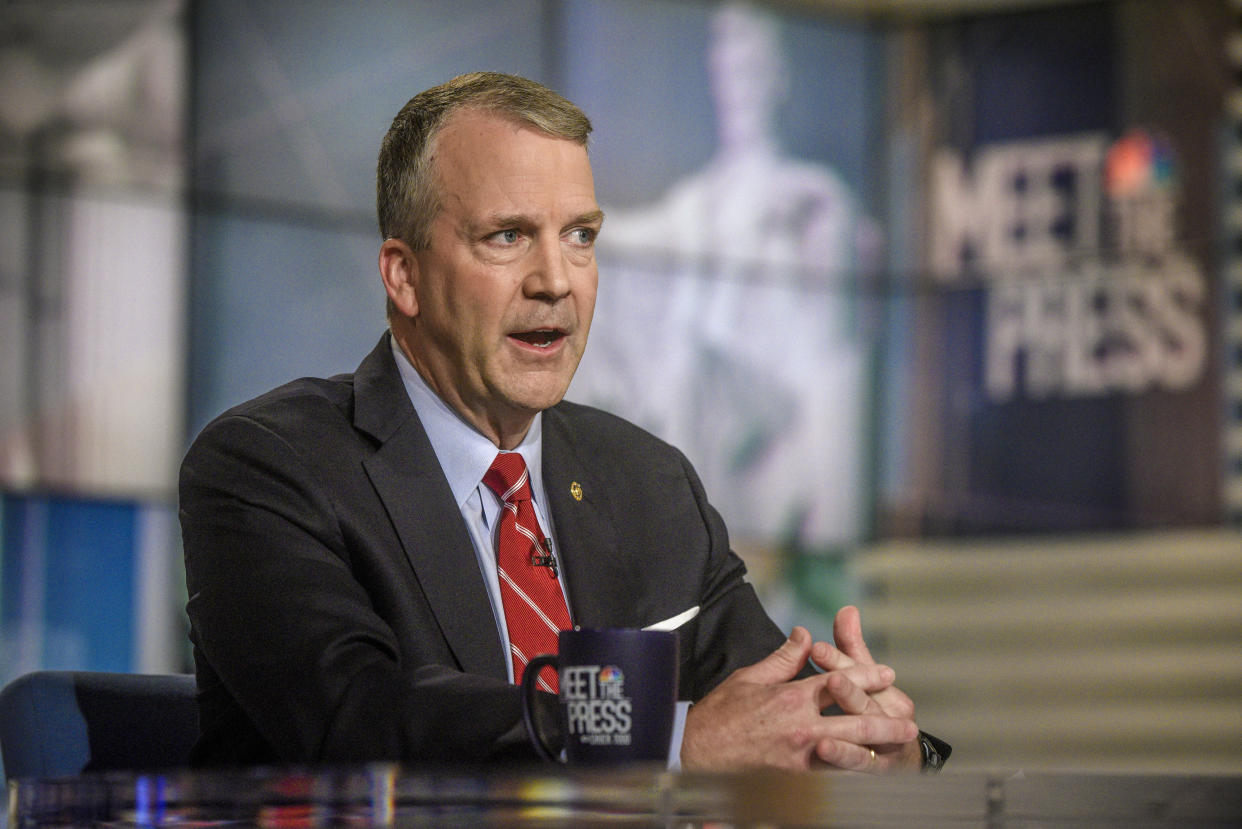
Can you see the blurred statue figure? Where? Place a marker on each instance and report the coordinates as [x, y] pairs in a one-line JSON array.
[[752, 204], [756, 251]]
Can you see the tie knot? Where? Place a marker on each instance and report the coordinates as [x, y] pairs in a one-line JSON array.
[[508, 477]]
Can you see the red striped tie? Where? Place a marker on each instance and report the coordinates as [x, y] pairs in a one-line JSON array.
[[535, 608]]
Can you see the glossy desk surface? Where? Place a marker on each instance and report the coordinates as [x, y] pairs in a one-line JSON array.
[[384, 795]]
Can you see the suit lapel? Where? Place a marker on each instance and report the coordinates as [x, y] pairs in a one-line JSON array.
[[408, 480], [600, 580]]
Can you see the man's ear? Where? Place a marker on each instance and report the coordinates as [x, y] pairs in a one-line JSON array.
[[399, 269]]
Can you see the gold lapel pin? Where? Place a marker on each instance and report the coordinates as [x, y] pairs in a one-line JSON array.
[[575, 489]]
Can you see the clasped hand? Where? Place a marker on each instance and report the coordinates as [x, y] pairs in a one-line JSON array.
[[763, 716]]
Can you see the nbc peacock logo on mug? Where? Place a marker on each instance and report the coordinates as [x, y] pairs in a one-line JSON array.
[[611, 675]]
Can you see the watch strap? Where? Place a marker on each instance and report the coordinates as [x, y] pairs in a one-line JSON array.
[[935, 752]]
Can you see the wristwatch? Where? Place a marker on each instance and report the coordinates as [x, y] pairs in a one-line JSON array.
[[935, 752]]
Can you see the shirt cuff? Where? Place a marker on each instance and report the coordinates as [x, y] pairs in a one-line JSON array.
[[679, 728]]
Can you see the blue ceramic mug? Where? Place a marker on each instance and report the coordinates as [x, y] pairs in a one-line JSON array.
[[618, 695]]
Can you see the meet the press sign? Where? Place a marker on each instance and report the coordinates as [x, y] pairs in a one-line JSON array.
[[1089, 290], [597, 709]]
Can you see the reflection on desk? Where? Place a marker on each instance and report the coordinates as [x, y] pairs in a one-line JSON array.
[[386, 795]]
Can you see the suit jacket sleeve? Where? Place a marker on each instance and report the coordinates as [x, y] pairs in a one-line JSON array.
[[732, 629]]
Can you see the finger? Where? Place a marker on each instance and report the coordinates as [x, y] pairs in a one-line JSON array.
[[892, 700], [867, 729], [842, 754], [839, 690], [828, 658], [895, 703], [865, 759], [906, 756], [847, 633], [783, 664], [851, 688]]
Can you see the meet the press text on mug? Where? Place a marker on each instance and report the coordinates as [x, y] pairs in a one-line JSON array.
[[596, 706]]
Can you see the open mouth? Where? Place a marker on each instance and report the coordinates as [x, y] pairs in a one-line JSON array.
[[540, 337]]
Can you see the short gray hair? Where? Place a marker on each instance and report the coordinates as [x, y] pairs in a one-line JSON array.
[[407, 196]]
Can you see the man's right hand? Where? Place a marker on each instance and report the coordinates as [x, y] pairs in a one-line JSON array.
[[761, 716]]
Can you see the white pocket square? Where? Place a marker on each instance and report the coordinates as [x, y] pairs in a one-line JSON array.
[[674, 622]]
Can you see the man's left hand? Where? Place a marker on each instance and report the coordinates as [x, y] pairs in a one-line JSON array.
[[851, 650]]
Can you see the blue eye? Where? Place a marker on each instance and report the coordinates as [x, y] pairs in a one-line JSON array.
[[507, 236], [582, 235]]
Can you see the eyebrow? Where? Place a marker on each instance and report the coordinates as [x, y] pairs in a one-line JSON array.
[[594, 217], [524, 220]]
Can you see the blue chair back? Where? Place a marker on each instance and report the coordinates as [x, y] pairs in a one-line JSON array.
[[59, 723]]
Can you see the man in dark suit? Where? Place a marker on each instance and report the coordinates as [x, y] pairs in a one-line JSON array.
[[340, 547]]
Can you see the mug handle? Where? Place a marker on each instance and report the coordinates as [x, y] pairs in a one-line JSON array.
[[529, 677]]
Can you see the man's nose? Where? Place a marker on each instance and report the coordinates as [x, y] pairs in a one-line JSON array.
[[548, 277]]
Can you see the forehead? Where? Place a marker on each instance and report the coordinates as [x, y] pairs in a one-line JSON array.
[[482, 157]]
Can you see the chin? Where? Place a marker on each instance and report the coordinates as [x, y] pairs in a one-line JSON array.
[[536, 400], [544, 402]]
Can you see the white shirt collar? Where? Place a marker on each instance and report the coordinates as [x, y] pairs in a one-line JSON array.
[[464, 453]]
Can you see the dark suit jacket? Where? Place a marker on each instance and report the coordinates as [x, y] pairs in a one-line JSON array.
[[337, 610]]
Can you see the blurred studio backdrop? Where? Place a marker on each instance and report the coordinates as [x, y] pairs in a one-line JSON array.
[[943, 300]]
